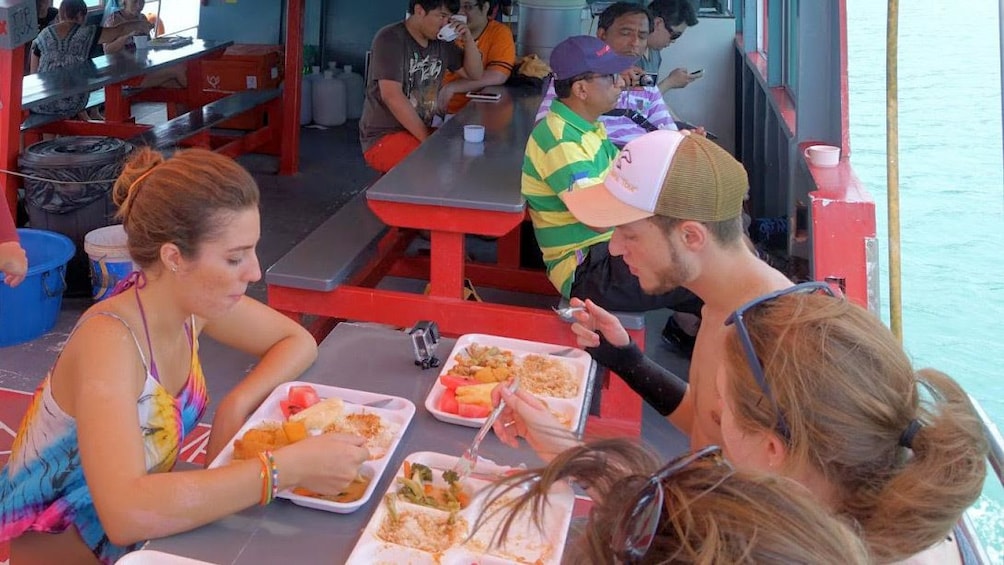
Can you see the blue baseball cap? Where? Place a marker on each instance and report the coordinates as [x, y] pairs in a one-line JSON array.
[[583, 54]]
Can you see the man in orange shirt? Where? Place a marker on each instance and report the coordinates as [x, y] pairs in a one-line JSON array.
[[498, 54]]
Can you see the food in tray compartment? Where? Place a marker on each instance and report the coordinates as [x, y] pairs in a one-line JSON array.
[[426, 531], [351, 493], [418, 487], [544, 376], [525, 542], [329, 415], [484, 363], [267, 436]]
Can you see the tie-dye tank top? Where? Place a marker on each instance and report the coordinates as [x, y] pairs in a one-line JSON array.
[[42, 488]]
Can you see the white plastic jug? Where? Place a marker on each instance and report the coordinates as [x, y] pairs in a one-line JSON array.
[[306, 99], [329, 101], [354, 93]]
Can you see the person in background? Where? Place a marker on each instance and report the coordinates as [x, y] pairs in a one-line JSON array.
[[13, 259], [407, 66], [174, 76], [69, 42], [46, 13], [498, 54], [88, 474], [670, 19], [694, 509], [625, 27]]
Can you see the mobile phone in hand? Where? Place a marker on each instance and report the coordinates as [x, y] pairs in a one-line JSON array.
[[682, 125], [697, 74]]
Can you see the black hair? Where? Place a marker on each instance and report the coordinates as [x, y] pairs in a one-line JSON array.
[[619, 9], [429, 5], [563, 87], [674, 12]]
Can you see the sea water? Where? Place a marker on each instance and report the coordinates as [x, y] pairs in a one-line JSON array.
[[951, 191]]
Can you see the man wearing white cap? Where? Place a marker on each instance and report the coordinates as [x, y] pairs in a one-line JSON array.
[[675, 203]]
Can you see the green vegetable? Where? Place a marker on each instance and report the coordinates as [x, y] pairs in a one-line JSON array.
[[424, 473], [450, 476]]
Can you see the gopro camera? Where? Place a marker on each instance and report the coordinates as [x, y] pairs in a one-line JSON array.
[[424, 339], [648, 79]]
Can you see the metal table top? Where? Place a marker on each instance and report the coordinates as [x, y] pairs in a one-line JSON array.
[[108, 69], [364, 358], [447, 171]]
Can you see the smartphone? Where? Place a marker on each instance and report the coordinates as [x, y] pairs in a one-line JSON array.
[[483, 95], [697, 73]]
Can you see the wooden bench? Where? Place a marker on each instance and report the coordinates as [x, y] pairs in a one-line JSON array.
[[34, 120], [199, 121]]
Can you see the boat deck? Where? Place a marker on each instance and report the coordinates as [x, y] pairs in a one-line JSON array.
[[332, 171]]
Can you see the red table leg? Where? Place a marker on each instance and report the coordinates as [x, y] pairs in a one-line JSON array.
[[11, 71], [446, 271]]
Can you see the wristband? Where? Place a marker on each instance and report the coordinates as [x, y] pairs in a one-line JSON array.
[[658, 386]]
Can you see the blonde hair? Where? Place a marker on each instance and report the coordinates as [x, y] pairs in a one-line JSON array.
[[711, 513], [848, 394], [179, 200]]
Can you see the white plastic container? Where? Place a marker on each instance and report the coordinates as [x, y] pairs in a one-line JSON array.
[[329, 101], [108, 251], [306, 99], [355, 92]]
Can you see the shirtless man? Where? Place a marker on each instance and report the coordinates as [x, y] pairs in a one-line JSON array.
[[675, 202]]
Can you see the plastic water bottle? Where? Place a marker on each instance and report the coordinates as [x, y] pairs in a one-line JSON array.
[[354, 93], [329, 101], [306, 99]]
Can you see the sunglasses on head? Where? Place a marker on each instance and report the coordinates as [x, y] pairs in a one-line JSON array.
[[756, 366], [635, 530]]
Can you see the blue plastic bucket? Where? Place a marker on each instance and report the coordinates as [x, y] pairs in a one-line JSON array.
[[31, 309], [108, 251]]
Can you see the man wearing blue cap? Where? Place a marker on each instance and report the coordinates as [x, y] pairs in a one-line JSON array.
[[569, 150]]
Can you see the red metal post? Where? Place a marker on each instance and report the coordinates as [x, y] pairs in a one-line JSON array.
[[289, 159], [11, 71]]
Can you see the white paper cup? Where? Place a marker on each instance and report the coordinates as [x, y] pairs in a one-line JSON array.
[[448, 33], [141, 41], [459, 18], [474, 133], [822, 155]]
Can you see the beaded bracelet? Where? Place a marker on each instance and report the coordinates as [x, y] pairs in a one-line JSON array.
[[269, 477]]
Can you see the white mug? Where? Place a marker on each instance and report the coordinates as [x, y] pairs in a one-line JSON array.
[[822, 155], [448, 32]]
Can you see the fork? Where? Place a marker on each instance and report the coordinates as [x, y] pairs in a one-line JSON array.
[[566, 312], [381, 403], [469, 459]]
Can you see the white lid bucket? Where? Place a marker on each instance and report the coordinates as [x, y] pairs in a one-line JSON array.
[[108, 250]]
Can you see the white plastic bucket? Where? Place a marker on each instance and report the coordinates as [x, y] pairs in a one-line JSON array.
[[108, 251]]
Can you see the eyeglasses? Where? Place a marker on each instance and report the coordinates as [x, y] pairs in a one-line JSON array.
[[468, 6], [751, 357], [635, 530], [613, 77], [674, 35]]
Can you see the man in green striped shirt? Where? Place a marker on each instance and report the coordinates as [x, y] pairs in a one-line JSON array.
[[569, 150]]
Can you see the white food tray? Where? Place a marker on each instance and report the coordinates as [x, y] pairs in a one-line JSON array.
[[151, 557], [399, 414], [526, 544], [570, 409]]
